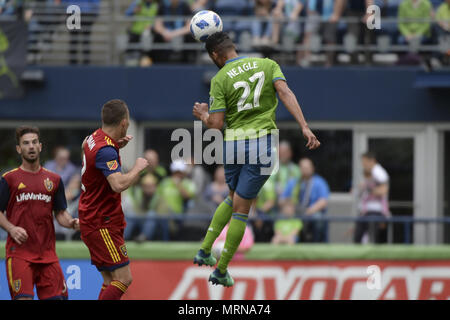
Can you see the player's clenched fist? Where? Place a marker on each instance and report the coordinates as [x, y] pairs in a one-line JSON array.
[[200, 110], [141, 164], [18, 234], [75, 223]]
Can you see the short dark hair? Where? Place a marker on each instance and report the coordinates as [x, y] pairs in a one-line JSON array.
[[219, 42], [21, 131], [369, 155], [113, 112]]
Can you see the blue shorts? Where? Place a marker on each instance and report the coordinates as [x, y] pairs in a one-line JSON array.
[[248, 165]]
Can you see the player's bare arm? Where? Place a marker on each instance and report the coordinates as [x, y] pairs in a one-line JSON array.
[[211, 120], [120, 182], [290, 101], [66, 220], [17, 233]]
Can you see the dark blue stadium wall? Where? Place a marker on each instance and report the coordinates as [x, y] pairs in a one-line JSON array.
[[168, 92]]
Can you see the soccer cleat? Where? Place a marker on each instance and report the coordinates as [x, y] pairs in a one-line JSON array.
[[219, 278], [204, 258]]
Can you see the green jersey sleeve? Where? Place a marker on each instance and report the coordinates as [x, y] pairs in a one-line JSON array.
[[277, 74], [216, 97]]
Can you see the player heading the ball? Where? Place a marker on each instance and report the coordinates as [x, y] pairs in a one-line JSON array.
[[242, 95]]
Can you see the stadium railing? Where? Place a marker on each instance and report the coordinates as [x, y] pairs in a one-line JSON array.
[[406, 221], [49, 40]]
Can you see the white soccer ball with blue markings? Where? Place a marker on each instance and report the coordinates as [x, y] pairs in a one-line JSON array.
[[204, 24]]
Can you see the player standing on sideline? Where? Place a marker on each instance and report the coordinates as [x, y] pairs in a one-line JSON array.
[[243, 93], [30, 194], [102, 220]]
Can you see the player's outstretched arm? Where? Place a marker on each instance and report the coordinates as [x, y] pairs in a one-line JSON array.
[[120, 182], [18, 234], [290, 101], [66, 220]]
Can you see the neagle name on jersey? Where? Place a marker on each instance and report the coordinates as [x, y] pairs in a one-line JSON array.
[[241, 69]]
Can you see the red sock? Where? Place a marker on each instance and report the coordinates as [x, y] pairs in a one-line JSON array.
[[104, 286], [114, 291]]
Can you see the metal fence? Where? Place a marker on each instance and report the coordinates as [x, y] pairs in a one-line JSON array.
[[104, 35], [407, 222]]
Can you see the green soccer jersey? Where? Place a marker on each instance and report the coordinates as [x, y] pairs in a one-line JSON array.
[[244, 90]]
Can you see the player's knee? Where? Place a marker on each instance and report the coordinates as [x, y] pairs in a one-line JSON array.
[[126, 280]]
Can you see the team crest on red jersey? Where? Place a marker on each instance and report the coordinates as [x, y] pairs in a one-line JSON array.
[[48, 184], [17, 284], [112, 165], [123, 249]]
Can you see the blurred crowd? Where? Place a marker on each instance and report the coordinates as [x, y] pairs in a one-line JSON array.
[[182, 200], [309, 23], [279, 23], [177, 202]]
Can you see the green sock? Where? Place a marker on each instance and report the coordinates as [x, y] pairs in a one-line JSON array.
[[218, 222], [235, 233]]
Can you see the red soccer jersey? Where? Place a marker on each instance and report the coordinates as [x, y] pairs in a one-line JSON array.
[[30, 199], [99, 206]]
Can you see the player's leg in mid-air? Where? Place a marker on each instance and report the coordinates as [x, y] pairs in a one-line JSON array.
[[220, 219], [236, 230], [245, 181]]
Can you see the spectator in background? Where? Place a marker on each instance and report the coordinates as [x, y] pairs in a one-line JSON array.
[[287, 9], [137, 202], [323, 18], [373, 199], [198, 175], [154, 168], [169, 31], [217, 190], [173, 193], [142, 9], [414, 9], [70, 176], [358, 9], [14, 8], [443, 18], [287, 169], [262, 28], [62, 165], [287, 229], [227, 8], [89, 10], [310, 195], [197, 5], [443, 27], [264, 208]]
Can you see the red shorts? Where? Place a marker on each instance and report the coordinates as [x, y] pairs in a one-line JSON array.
[[107, 248], [23, 276]]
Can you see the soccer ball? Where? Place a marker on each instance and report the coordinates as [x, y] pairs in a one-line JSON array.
[[204, 24], [218, 248]]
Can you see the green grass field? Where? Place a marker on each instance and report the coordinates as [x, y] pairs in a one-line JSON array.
[[187, 250]]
